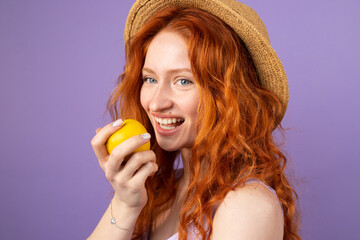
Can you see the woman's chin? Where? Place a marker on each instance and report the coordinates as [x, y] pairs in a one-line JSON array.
[[168, 147]]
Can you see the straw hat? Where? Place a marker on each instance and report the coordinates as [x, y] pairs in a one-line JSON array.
[[245, 22]]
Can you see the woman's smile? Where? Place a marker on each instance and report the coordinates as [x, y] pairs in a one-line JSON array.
[[169, 123], [167, 126]]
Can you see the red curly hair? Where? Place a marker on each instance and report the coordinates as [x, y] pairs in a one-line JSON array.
[[236, 118]]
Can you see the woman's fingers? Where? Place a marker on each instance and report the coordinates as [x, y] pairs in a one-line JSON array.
[[143, 173], [99, 140], [119, 153], [136, 161]]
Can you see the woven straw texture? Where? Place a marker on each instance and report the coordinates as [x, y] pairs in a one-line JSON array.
[[245, 22]]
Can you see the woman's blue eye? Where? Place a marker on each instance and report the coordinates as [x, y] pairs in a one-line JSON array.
[[149, 80], [184, 82]]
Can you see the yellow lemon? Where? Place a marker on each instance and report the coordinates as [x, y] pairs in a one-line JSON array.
[[130, 127]]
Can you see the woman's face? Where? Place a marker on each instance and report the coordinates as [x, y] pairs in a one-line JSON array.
[[169, 93]]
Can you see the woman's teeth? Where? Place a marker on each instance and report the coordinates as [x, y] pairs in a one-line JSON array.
[[166, 122], [167, 127]]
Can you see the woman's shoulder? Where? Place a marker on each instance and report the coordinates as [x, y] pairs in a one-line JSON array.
[[251, 211]]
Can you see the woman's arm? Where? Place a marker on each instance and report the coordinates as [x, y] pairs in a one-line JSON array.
[[249, 212], [127, 179]]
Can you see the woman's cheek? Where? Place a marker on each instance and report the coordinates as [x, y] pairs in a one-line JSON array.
[[143, 99]]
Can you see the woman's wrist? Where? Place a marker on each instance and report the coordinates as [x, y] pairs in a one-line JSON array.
[[122, 216]]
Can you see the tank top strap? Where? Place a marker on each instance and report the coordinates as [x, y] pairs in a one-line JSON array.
[[256, 180]]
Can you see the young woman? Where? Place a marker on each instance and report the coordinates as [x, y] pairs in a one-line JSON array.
[[205, 82]]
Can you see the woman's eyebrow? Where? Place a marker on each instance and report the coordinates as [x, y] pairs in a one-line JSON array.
[[172, 71], [149, 70], [179, 70]]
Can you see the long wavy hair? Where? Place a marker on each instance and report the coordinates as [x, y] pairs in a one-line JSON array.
[[236, 119]]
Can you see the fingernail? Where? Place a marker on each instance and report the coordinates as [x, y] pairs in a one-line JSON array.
[[117, 123], [146, 136]]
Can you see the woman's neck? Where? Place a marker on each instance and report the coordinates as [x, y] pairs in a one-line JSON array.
[[185, 156]]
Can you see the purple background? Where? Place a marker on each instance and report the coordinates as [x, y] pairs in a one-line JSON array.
[[60, 60]]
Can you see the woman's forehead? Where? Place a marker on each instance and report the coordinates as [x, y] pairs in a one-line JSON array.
[[167, 51]]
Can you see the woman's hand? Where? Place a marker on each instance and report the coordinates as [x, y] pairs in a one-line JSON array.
[[126, 171]]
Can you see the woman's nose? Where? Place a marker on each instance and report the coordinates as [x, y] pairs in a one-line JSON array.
[[161, 99]]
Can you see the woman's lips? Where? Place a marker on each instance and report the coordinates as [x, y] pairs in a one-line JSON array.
[[168, 126]]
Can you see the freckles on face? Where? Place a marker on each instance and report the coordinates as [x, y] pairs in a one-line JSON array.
[[169, 93]]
